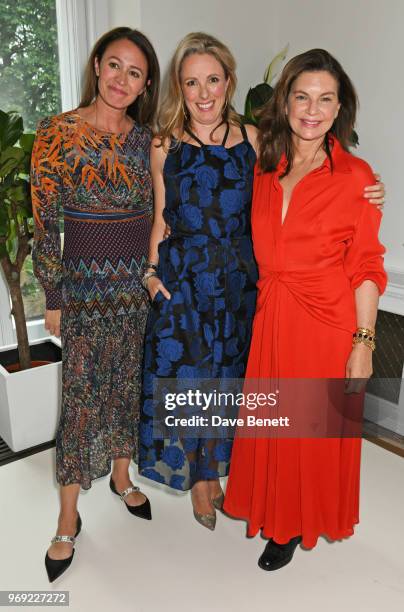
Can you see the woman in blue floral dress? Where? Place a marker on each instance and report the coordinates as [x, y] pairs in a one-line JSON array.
[[203, 288]]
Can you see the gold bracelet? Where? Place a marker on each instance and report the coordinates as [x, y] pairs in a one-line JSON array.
[[366, 331], [365, 336], [369, 343]]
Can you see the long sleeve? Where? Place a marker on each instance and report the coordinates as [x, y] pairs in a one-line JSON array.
[[364, 256], [46, 191]]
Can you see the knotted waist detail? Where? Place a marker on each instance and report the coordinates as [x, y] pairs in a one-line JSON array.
[[325, 293]]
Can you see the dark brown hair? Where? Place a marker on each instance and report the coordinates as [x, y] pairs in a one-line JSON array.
[[275, 135], [144, 108]]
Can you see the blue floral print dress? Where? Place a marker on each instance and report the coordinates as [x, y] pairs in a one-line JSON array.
[[208, 267]]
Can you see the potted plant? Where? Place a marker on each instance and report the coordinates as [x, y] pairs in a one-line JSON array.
[[260, 94], [28, 394]]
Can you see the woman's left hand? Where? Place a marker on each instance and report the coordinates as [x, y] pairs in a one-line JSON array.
[[376, 194], [359, 368]]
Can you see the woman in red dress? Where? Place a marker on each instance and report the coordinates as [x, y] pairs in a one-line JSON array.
[[320, 276]]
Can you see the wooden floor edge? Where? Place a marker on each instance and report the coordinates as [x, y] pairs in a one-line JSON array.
[[389, 445]]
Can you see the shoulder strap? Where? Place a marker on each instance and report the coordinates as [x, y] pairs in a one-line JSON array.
[[226, 134], [243, 132], [194, 136]]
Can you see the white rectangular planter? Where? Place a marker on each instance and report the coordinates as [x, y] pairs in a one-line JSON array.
[[30, 403]]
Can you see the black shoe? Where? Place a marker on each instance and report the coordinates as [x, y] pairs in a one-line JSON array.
[[142, 511], [56, 567], [276, 555]]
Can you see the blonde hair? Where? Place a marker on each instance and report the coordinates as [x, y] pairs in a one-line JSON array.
[[173, 117]]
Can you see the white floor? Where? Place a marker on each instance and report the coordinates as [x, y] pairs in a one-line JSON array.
[[173, 564]]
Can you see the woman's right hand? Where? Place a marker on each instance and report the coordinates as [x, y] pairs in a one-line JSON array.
[[52, 322], [167, 232], [154, 285]]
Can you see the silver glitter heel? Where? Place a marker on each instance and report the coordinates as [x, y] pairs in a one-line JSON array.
[[207, 520], [218, 501]]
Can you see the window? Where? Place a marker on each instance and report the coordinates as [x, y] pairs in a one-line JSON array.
[[30, 85], [44, 45], [29, 67]]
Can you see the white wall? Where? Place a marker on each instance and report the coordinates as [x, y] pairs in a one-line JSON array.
[[237, 22], [245, 26], [124, 13]]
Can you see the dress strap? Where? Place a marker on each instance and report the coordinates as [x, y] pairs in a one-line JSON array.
[[226, 134], [199, 141], [244, 132], [193, 136]]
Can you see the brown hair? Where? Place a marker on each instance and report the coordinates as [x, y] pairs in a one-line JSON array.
[[275, 136], [144, 108], [173, 115]]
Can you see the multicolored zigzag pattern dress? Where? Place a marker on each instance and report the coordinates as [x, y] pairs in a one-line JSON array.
[[101, 181]]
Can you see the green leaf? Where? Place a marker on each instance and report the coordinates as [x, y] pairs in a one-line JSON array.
[[255, 100], [4, 222], [12, 241], [11, 128], [27, 142], [248, 114], [17, 193], [354, 139], [3, 250], [10, 160], [272, 70], [260, 95]]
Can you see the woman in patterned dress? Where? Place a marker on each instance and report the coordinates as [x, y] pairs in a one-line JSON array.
[[93, 163]]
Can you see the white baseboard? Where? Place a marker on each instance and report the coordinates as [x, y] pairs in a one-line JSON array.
[[378, 410], [385, 413]]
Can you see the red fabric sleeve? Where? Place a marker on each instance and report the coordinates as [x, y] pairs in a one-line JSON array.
[[364, 256]]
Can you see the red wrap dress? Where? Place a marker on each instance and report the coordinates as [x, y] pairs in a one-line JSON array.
[[309, 267]]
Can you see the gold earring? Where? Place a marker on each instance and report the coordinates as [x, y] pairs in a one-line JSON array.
[[184, 109]]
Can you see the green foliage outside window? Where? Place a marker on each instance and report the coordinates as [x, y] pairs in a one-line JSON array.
[[29, 64], [30, 85]]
